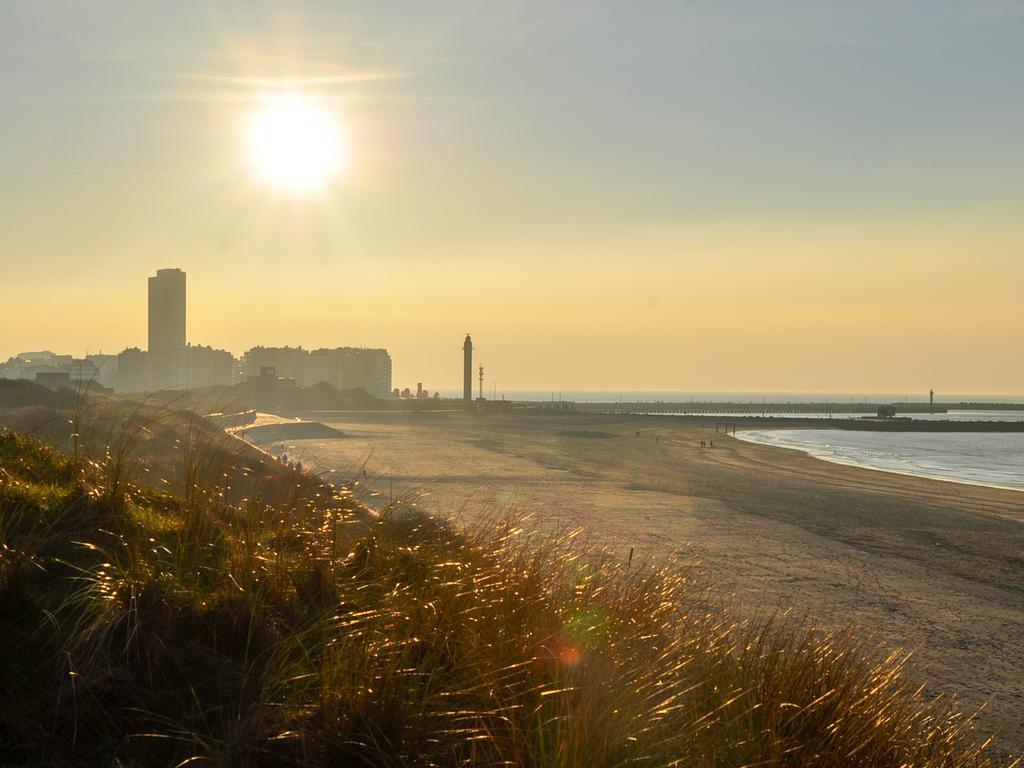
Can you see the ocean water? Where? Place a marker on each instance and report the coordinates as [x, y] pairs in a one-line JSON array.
[[951, 415], [994, 459]]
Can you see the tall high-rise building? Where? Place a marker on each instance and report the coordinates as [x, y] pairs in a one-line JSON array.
[[467, 370], [167, 310]]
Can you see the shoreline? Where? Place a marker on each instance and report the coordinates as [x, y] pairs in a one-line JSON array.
[[949, 426], [740, 435]]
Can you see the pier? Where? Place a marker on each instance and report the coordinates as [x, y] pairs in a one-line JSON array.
[[693, 408]]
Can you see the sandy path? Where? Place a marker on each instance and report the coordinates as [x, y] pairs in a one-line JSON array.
[[925, 564]]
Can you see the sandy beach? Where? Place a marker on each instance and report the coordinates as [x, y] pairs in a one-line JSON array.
[[933, 566]]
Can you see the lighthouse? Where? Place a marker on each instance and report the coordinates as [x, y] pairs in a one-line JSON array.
[[467, 370]]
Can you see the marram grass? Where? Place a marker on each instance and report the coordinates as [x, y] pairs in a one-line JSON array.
[[293, 628]]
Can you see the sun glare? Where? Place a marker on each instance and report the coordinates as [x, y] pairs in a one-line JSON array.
[[294, 143]]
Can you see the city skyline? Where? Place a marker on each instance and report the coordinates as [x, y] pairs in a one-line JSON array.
[[714, 197], [171, 361]]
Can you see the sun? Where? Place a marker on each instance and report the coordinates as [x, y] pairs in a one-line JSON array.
[[294, 143]]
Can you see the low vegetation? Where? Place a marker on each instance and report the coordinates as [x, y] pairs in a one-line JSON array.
[[290, 626]]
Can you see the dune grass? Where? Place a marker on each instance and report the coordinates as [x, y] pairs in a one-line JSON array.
[[292, 627]]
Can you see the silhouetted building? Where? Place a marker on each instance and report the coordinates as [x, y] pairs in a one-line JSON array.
[[467, 370], [167, 310], [27, 365], [369, 369], [341, 367], [287, 362], [93, 370], [191, 367], [133, 373], [105, 367], [350, 368], [196, 367]]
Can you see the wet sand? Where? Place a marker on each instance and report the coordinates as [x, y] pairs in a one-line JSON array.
[[923, 564]]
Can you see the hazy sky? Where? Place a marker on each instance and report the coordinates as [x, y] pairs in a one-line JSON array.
[[797, 196]]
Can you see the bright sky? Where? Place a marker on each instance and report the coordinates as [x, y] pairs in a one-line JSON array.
[[790, 196]]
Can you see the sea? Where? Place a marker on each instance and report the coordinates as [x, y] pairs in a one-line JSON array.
[[979, 458]]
